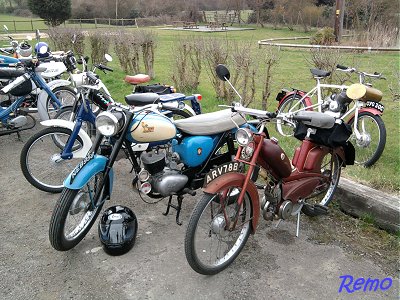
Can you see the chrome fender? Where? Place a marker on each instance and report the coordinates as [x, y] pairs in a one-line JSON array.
[[42, 98], [87, 142], [189, 109], [86, 170]]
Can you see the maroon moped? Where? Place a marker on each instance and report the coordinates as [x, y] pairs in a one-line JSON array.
[[229, 211]]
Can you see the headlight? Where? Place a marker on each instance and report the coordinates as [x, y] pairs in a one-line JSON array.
[[243, 136], [108, 123]]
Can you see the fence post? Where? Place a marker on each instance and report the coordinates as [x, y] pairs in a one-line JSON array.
[[80, 23], [32, 24], [95, 22], [122, 22], [15, 27], [109, 21]]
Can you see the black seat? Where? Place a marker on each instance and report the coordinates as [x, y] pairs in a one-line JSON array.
[[320, 73], [142, 99], [6, 73]]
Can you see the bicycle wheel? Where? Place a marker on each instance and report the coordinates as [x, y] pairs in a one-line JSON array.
[[74, 214], [65, 94], [290, 103], [323, 194], [371, 143], [210, 246], [41, 162]]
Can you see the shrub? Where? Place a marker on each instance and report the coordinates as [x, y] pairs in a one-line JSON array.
[[61, 39], [323, 36], [100, 43]]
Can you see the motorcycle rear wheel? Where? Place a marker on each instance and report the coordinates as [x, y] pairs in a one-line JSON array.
[[209, 246], [40, 159], [65, 94], [75, 206], [291, 102], [323, 195]]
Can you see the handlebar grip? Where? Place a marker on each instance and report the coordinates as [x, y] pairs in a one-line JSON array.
[[341, 67], [103, 67]]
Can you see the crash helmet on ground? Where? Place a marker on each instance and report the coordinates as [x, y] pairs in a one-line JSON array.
[[117, 229]]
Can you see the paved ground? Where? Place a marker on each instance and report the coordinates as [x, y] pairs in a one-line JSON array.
[[274, 264]]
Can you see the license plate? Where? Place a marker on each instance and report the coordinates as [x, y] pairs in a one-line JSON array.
[[232, 166], [375, 105]]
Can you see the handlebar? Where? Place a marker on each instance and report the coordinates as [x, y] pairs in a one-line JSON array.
[[362, 74], [104, 68], [92, 77]]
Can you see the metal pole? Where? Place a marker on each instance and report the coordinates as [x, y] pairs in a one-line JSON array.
[[116, 10]]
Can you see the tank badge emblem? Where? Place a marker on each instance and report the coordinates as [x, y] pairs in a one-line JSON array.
[[199, 151], [115, 217], [282, 156], [147, 128]]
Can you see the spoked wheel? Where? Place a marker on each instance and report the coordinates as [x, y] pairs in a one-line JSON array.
[[291, 103], [213, 240], [323, 194], [371, 142], [74, 214], [65, 94], [41, 161], [65, 113]]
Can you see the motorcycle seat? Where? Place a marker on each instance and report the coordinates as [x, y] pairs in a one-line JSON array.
[[318, 119], [137, 79], [141, 99], [11, 73], [210, 123], [320, 73]]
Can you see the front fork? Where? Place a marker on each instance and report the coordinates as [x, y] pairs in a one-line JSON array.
[[117, 147]]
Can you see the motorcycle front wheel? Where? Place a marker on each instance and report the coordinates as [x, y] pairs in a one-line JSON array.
[[323, 194], [41, 161], [210, 246], [74, 214], [371, 143]]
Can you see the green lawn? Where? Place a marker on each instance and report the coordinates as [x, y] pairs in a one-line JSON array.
[[292, 71]]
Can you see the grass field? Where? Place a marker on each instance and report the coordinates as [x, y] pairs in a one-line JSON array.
[[292, 71]]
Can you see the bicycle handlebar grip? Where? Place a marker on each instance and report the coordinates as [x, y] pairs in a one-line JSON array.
[[103, 67], [341, 67], [92, 77]]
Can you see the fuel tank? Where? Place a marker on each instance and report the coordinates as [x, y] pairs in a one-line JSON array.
[[194, 150], [7, 61], [150, 127], [274, 159]]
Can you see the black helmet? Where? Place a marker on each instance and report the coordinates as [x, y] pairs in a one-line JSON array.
[[117, 229]]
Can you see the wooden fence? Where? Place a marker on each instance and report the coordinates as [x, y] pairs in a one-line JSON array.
[[33, 24]]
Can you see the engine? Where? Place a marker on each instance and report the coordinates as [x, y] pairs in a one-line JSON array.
[[336, 104], [161, 175]]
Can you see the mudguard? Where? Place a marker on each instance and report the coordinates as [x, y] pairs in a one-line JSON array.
[[87, 142], [86, 170], [189, 109], [373, 111], [237, 179], [307, 100], [42, 98]]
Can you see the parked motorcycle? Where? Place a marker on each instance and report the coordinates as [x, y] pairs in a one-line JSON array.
[[170, 159], [223, 219]]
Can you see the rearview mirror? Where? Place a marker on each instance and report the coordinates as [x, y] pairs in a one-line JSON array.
[[73, 40], [5, 27], [37, 34], [108, 57], [222, 72]]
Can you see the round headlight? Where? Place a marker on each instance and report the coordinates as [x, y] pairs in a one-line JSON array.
[[107, 124], [243, 136]]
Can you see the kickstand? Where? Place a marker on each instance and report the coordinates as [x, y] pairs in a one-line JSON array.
[[298, 224], [176, 207], [19, 136], [279, 222]]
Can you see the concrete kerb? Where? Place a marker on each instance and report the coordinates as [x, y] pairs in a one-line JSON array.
[[359, 200]]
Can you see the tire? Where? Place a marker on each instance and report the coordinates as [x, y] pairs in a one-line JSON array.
[[65, 94], [40, 161], [285, 106], [370, 146], [323, 195], [70, 204], [201, 223], [64, 113]]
